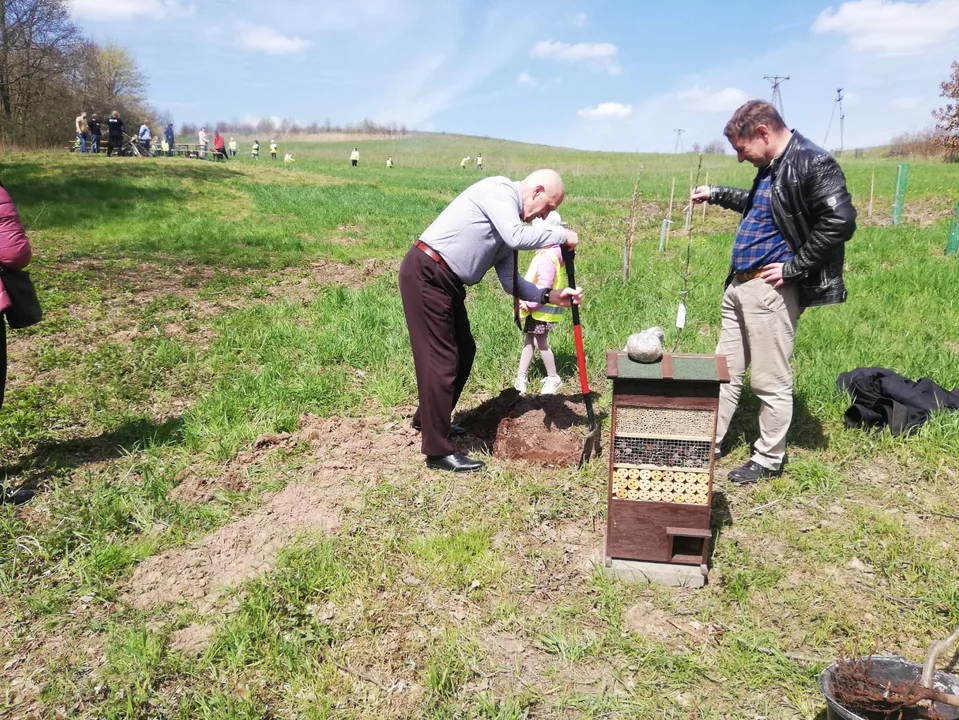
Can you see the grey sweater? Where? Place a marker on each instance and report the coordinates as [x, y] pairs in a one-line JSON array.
[[481, 228]]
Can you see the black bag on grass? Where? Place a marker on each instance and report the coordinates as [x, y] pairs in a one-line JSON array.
[[25, 309]]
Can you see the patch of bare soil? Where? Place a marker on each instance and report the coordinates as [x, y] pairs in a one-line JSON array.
[[243, 549], [358, 448], [193, 640], [24, 674], [509, 660], [354, 276], [543, 429], [650, 622]]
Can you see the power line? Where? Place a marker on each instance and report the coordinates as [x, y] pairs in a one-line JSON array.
[[679, 141], [777, 100], [842, 121]]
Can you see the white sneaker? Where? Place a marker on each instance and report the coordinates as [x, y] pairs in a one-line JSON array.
[[521, 383], [551, 384]]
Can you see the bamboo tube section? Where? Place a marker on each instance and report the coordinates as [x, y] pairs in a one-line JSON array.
[[668, 486]]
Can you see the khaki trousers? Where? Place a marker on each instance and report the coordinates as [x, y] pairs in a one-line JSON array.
[[759, 330]]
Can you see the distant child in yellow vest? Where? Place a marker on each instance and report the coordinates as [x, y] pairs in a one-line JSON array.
[[464, 161], [479, 161], [256, 149], [389, 161], [547, 270], [288, 158], [272, 149]]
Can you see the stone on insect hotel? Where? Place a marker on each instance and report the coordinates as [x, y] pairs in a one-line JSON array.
[[662, 446]]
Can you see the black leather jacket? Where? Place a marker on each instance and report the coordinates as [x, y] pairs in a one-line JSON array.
[[813, 210]]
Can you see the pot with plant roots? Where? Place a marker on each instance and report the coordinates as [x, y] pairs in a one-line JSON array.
[[891, 687]]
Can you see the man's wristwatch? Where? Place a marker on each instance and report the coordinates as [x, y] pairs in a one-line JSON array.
[[545, 299]]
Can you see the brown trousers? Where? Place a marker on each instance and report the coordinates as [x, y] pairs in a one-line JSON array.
[[443, 346]]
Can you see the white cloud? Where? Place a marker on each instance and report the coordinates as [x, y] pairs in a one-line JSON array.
[[263, 38], [888, 28], [850, 98], [526, 80], [598, 56], [699, 100], [98, 10], [606, 111], [580, 19], [907, 102]]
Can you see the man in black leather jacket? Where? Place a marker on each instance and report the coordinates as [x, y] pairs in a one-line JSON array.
[[788, 255]]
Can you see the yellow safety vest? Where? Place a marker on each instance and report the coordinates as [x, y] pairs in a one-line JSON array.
[[256, 149], [272, 147], [547, 313]]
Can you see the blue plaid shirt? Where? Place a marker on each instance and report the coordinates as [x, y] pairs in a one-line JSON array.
[[758, 242]]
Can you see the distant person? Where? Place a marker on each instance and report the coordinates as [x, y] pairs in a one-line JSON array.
[[479, 161], [219, 145], [145, 136], [94, 125], [482, 228], [256, 149], [169, 138], [82, 131], [288, 158], [389, 161], [787, 256], [546, 271], [233, 147], [15, 254], [464, 161], [272, 149], [355, 157], [115, 128], [204, 142]]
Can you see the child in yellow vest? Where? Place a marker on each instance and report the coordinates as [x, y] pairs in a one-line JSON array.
[[272, 149], [547, 270]]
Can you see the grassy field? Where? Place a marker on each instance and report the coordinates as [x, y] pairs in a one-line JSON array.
[[233, 521]]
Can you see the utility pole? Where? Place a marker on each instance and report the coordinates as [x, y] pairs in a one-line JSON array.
[[842, 122], [679, 141], [776, 81]]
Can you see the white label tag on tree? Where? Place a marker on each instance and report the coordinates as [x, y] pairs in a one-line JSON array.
[[681, 316]]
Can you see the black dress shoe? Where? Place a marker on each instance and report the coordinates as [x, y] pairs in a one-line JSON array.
[[457, 462], [454, 429], [752, 472]]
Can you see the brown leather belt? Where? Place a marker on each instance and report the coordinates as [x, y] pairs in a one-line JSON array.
[[431, 254], [747, 276]]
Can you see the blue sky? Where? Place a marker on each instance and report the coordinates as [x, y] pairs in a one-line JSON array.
[[603, 74]]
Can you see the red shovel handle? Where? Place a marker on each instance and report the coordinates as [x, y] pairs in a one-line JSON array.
[[581, 358]]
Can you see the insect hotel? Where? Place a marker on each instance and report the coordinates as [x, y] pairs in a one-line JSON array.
[[662, 446]]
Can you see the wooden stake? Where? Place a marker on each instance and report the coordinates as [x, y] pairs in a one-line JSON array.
[[631, 229], [872, 189], [706, 204], [669, 214]]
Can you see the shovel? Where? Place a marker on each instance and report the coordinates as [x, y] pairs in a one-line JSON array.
[[592, 444]]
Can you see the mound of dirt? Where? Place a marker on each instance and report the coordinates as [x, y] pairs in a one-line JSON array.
[[367, 447], [542, 429], [240, 550], [360, 449]]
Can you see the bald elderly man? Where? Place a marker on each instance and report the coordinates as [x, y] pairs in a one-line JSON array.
[[481, 229]]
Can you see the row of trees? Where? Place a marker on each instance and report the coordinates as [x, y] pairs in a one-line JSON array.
[[273, 126], [49, 72]]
